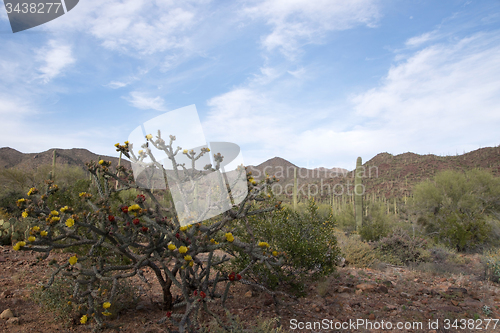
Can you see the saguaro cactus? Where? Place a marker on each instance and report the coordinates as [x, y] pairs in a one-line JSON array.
[[358, 195], [52, 175], [294, 189]]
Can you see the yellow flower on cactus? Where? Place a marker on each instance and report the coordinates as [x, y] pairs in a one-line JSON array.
[[101, 162], [171, 247], [32, 191], [185, 151], [188, 258], [275, 253], [134, 207], [70, 222], [84, 319], [21, 200], [35, 228], [149, 136], [183, 228], [43, 233], [31, 238], [106, 305], [73, 260], [117, 144], [83, 194], [183, 249], [55, 219], [140, 152], [65, 208], [54, 212], [106, 313], [263, 244], [126, 142], [229, 237], [25, 214], [191, 263]]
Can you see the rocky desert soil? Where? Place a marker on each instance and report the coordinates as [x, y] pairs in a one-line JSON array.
[[441, 300]]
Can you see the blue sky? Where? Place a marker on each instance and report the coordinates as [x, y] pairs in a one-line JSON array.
[[316, 82]]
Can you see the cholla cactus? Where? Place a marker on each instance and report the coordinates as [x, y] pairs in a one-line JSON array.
[[118, 241]]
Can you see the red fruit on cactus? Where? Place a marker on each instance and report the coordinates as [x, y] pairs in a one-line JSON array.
[[177, 235], [202, 294], [231, 276], [135, 221], [169, 314], [238, 277], [111, 218], [125, 209], [144, 229], [195, 292]]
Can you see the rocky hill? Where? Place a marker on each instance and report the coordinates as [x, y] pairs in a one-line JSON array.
[[384, 175]]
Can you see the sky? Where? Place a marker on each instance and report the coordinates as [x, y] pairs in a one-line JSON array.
[[316, 82]]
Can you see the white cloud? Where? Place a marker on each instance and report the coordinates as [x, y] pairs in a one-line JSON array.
[[143, 101], [444, 98], [421, 39], [302, 21], [55, 57], [120, 84], [135, 27]]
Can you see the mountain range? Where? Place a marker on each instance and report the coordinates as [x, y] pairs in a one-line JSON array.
[[384, 174]]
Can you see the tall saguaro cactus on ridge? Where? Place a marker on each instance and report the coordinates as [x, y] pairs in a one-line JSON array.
[[358, 195], [294, 189]]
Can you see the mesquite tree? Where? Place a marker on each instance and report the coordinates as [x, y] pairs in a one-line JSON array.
[[117, 241]]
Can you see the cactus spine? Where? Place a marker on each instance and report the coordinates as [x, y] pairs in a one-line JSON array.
[[295, 189], [358, 196]]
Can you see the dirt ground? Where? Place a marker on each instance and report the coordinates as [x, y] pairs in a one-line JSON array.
[[349, 301]]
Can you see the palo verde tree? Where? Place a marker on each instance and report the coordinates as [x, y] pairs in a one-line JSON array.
[[112, 242]]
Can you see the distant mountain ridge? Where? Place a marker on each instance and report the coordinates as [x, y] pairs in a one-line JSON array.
[[390, 175]]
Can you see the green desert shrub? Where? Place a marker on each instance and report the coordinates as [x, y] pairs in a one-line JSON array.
[[459, 209], [356, 252], [304, 241], [400, 248], [377, 224]]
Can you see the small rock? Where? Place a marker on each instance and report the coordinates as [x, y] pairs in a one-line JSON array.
[[454, 302], [14, 321], [388, 283], [248, 294], [366, 286], [359, 292], [6, 294], [6, 314], [457, 291], [405, 295], [383, 289], [343, 289], [371, 316]]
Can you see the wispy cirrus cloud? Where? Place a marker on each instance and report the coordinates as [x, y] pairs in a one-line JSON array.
[[300, 22], [143, 101], [445, 96], [54, 58]]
